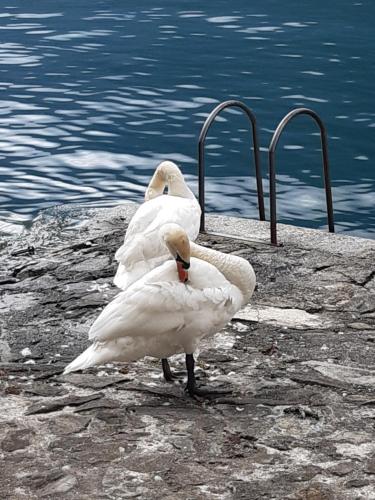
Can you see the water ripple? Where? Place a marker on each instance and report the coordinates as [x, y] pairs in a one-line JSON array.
[[94, 95]]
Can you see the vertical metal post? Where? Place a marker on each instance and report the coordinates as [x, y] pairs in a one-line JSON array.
[[327, 179], [272, 181], [201, 183]]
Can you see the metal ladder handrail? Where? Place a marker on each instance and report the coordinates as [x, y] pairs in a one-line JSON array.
[[272, 175], [201, 142]]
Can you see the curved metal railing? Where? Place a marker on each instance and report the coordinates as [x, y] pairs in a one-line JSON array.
[[201, 167], [272, 174]]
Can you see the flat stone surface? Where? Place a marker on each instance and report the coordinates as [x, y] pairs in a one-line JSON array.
[[298, 424], [60, 403], [16, 440], [284, 317]]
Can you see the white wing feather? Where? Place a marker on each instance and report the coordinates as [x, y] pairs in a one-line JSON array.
[[142, 249], [160, 316], [161, 303]]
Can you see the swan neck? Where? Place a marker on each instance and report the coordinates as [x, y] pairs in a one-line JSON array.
[[178, 187], [236, 270], [155, 187]]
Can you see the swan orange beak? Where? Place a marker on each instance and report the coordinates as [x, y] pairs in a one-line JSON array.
[[183, 275]]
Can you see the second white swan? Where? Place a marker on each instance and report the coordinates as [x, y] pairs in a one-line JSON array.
[[142, 250]]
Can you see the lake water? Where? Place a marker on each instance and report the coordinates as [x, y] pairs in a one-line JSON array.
[[94, 93]]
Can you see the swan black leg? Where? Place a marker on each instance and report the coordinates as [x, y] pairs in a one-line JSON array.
[[168, 376], [191, 385]]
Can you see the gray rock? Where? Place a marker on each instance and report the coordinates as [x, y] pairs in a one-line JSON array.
[[357, 483], [45, 390], [68, 424], [91, 381], [37, 480], [99, 403], [58, 404], [16, 440], [343, 469], [370, 466], [62, 485]]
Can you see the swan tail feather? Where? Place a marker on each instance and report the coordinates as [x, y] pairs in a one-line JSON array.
[[123, 278], [131, 252], [88, 358]]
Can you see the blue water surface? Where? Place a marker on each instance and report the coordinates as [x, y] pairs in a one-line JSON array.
[[94, 93]]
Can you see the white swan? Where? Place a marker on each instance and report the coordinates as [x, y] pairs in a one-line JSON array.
[[142, 250], [164, 314]]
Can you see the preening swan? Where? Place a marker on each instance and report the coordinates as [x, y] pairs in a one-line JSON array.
[[172, 307], [142, 250]]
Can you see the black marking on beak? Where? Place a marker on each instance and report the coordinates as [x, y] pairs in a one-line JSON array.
[[185, 264]]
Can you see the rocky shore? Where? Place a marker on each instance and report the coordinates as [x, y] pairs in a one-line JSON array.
[[299, 423]]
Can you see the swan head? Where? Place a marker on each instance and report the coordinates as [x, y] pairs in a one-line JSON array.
[[177, 242], [166, 173]]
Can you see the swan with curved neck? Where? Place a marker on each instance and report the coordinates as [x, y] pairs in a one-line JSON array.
[[167, 174], [143, 250], [172, 308]]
